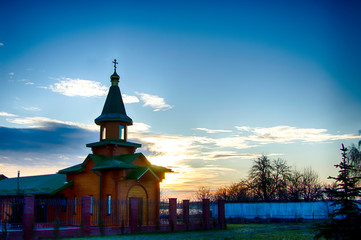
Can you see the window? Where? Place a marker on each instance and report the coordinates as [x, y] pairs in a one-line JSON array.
[[63, 205], [91, 204], [121, 132], [75, 203], [109, 204], [104, 133]]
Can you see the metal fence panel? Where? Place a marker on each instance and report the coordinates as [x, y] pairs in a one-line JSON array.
[[57, 211], [11, 212]]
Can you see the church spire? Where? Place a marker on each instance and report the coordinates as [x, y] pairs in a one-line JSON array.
[[114, 109], [113, 123]]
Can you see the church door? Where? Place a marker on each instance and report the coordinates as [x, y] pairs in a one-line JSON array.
[[139, 192]]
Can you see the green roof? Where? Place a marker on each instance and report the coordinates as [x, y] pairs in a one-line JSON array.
[[103, 162], [114, 109], [129, 158], [115, 142], [124, 161], [158, 169], [139, 172], [73, 169], [37, 185]]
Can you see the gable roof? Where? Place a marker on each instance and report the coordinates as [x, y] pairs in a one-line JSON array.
[[73, 169], [124, 161], [159, 169], [37, 185], [103, 162], [139, 172]]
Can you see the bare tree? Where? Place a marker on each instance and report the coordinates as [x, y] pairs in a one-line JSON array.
[[295, 185], [236, 192], [280, 176], [222, 193], [311, 186], [260, 178], [239, 192], [354, 159], [274, 180], [164, 194], [269, 178], [203, 193]]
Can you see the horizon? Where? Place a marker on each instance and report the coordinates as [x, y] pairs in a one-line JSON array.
[[210, 87]]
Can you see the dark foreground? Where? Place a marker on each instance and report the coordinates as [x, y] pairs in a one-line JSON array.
[[270, 231]]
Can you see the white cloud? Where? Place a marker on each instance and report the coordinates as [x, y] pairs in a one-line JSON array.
[[130, 99], [154, 101], [174, 151], [237, 142], [11, 74], [167, 150], [42, 122], [1, 44], [138, 127], [31, 108], [175, 146], [213, 155], [79, 87], [244, 128], [213, 130], [5, 114], [288, 134], [26, 81]]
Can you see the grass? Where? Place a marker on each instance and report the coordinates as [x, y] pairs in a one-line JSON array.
[[271, 231]]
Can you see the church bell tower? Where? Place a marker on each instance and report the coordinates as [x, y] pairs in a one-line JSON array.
[[113, 123]]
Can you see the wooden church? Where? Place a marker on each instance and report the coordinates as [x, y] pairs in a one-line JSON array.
[[111, 174]]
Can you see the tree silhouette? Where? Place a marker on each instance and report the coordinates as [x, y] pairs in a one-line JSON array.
[[345, 221], [268, 179]]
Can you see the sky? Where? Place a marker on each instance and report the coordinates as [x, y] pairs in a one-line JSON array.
[[210, 85]]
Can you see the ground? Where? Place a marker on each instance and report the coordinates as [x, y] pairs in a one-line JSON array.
[[271, 231]]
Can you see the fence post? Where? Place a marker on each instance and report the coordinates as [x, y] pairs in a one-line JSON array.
[[221, 214], [85, 214], [186, 213], [28, 216], [172, 213], [133, 214], [206, 213]]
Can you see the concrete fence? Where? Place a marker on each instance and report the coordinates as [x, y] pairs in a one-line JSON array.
[[287, 210]]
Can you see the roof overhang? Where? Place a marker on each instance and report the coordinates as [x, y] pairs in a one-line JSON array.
[[114, 142]]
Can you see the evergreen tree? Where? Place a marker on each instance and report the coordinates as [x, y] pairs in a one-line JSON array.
[[345, 221]]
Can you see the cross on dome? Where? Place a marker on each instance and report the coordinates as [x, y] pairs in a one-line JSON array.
[[115, 65]]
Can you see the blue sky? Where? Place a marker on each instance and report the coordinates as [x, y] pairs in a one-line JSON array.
[[210, 85]]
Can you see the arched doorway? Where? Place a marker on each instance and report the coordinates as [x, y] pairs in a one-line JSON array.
[[139, 192]]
